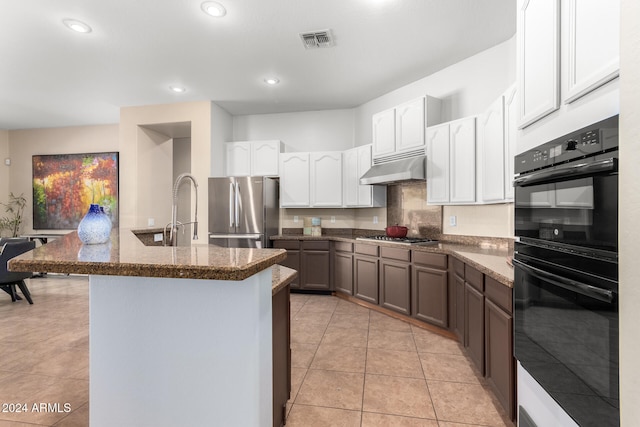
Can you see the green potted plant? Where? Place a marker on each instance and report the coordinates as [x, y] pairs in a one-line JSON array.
[[10, 224]]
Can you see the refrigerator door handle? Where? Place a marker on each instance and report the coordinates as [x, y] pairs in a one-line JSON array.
[[237, 205], [235, 236], [231, 216]]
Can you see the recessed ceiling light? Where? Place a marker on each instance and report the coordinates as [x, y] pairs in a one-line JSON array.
[[177, 89], [77, 26], [214, 9], [271, 81]]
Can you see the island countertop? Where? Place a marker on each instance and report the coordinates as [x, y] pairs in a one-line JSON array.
[[126, 255]]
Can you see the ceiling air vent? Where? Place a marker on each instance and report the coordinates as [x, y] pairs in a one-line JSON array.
[[316, 39]]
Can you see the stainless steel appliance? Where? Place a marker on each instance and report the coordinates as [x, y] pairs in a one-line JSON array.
[[566, 279], [400, 240], [243, 211]]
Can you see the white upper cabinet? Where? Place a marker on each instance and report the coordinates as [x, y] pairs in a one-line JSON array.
[[438, 164], [355, 163], [410, 125], [592, 44], [491, 150], [462, 140], [402, 128], [538, 59], [510, 135], [253, 158], [326, 179], [294, 180], [384, 132], [238, 159]]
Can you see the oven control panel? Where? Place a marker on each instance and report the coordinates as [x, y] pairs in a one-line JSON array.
[[584, 142]]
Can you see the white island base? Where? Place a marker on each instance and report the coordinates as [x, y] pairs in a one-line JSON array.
[[180, 352]]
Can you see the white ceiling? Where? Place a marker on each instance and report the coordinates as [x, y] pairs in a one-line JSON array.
[[52, 77]]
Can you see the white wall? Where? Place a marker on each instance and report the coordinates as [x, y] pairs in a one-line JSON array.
[[303, 131], [221, 132], [466, 88], [4, 170], [629, 203], [25, 143]]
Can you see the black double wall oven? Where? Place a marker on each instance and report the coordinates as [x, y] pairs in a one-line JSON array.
[[566, 271]]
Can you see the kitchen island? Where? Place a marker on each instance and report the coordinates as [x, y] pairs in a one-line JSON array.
[[178, 335]]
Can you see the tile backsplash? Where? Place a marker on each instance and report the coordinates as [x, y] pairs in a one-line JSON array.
[[407, 205]]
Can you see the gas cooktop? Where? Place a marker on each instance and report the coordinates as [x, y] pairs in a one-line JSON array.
[[400, 240]]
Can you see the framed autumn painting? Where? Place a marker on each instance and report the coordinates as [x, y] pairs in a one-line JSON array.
[[64, 185]]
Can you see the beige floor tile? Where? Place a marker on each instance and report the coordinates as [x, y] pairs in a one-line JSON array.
[[394, 363], [348, 337], [297, 376], [359, 321], [448, 367], [397, 396], [77, 418], [19, 387], [342, 390], [448, 424], [464, 403], [340, 358], [5, 423], [319, 317], [306, 333], [429, 342], [346, 307], [313, 416], [382, 321], [391, 340], [370, 419], [302, 354]]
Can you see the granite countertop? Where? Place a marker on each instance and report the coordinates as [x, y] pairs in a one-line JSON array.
[[490, 260], [126, 255], [281, 276]]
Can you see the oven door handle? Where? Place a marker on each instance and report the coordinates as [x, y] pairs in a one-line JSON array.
[[600, 294], [567, 172]]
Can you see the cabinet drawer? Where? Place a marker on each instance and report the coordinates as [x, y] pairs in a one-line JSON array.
[[438, 261], [286, 244], [366, 249], [343, 246], [458, 267], [395, 253], [315, 245], [500, 294], [474, 277]]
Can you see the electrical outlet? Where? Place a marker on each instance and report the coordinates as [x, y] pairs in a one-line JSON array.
[[157, 237], [333, 219], [151, 222], [295, 218], [453, 221], [375, 219]]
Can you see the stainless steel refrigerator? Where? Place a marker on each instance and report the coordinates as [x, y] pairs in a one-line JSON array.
[[243, 211]]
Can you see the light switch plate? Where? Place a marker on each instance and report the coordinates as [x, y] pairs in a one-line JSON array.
[[453, 221]]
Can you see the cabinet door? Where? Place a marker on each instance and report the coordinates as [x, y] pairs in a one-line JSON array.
[[326, 179], [265, 157], [293, 261], [294, 180], [366, 278], [351, 179], [538, 59], [593, 48], [462, 148], [343, 273], [459, 327], [315, 270], [365, 192], [429, 295], [438, 164], [474, 325], [510, 135], [499, 362], [238, 159], [384, 133], [491, 152], [395, 279], [410, 125]]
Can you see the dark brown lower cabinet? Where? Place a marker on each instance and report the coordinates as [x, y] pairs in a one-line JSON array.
[[365, 275], [395, 284], [460, 307], [474, 325], [281, 350], [315, 265], [499, 361], [343, 268], [429, 288]]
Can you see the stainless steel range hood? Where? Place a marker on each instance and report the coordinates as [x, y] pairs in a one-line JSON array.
[[409, 169]]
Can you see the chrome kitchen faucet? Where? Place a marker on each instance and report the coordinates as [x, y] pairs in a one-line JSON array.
[[173, 238]]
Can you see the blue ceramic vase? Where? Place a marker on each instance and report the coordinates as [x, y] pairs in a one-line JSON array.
[[95, 227]]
